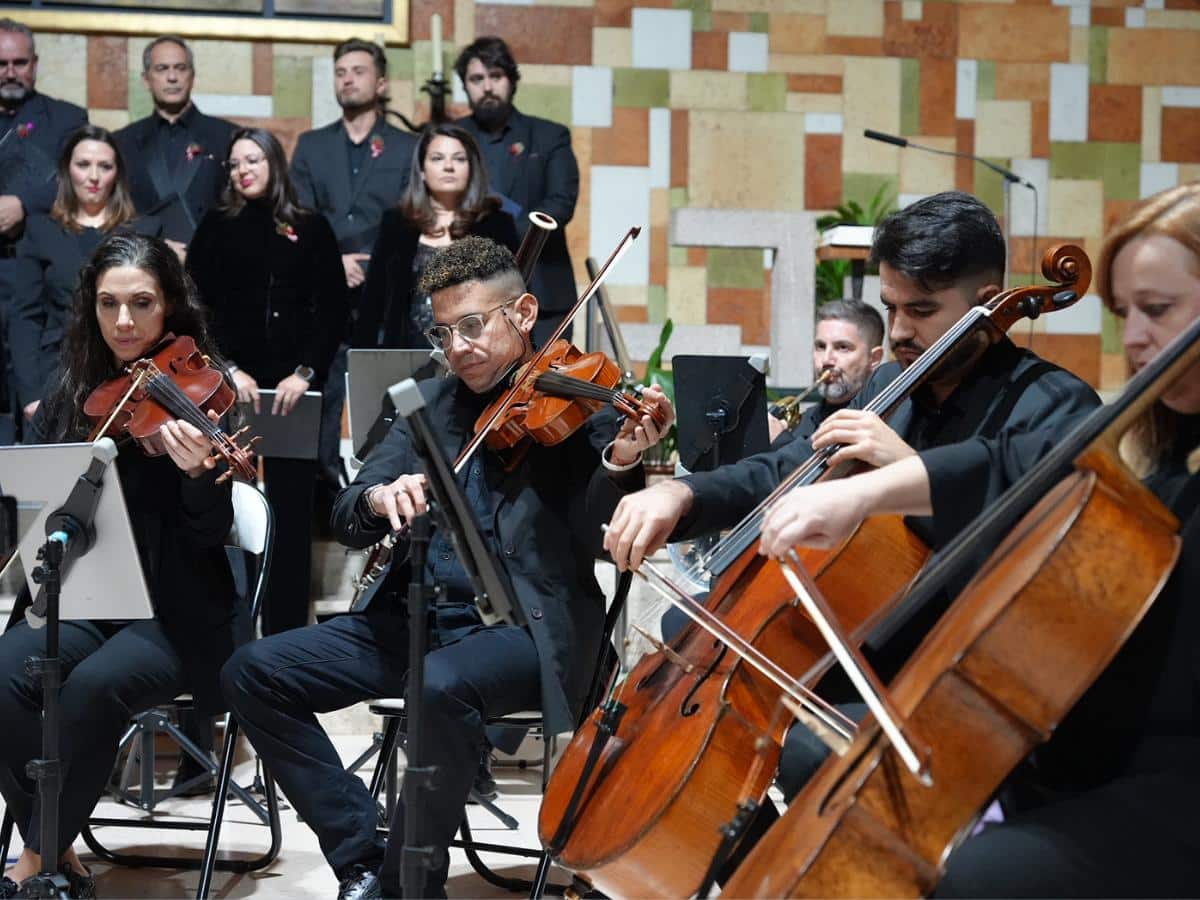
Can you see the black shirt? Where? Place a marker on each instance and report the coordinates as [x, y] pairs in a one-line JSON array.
[[356, 156], [173, 139]]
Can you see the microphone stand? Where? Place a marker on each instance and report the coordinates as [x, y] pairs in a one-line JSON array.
[[70, 533], [1010, 178], [449, 507]]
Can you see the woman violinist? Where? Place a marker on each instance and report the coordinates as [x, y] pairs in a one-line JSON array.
[[1107, 806], [132, 292]]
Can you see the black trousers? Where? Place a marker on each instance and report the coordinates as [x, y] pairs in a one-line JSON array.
[[472, 672], [1133, 837], [110, 672], [290, 486]]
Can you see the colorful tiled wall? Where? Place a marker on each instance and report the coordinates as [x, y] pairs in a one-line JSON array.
[[760, 105]]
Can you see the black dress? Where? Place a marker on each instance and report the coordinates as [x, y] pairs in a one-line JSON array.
[[386, 313], [1107, 807], [277, 294], [112, 670]]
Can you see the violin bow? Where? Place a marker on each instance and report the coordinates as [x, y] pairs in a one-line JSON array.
[[530, 364]]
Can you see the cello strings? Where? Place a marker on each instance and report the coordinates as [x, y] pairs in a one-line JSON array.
[[755, 658], [749, 528]]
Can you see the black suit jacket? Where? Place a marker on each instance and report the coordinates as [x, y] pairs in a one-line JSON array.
[[321, 177], [276, 303], [180, 525], [29, 155], [44, 276], [538, 171], [180, 201], [545, 530], [389, 285]]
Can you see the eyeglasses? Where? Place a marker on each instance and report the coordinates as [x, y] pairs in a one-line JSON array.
[[469, 328], [252, 160]]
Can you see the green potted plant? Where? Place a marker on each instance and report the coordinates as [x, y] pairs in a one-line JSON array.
[[661, 457]]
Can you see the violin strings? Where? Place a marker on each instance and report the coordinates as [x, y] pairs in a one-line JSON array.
[[178, 402], [558, 384]]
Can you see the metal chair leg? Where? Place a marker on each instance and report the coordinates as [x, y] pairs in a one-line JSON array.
[[225, 787], [6, 831], [218, 810]]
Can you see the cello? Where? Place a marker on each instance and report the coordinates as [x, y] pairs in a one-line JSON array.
[[636, 801], [1019, 646]]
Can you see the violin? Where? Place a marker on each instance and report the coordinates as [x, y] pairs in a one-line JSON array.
[[552, 394], [637, 799], [176, 382], [555, 393], [1019, 646]]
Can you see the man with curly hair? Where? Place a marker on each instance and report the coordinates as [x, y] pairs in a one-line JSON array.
[[542, 521]]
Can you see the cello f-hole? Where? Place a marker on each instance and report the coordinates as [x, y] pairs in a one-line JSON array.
[[686, 706]]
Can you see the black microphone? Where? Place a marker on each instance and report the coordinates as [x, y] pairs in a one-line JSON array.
[[904, 142], [73, 523], [886, 138]]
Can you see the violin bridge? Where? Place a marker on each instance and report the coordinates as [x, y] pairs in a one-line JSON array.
[[666, 651], [836, 742]]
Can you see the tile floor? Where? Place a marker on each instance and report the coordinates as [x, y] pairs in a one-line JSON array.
[[300, 870]]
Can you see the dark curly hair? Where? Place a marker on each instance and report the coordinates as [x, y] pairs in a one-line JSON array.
[[940, 240], [87, 362], [473, 258]]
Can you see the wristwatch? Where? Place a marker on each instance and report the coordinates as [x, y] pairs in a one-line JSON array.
[[305, 372]]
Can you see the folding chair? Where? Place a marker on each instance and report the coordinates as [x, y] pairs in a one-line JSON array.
[[392, 709], [250, 550]]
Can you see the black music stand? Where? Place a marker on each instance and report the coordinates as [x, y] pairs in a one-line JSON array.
[[721, 410], [71, 532], [449, 506]]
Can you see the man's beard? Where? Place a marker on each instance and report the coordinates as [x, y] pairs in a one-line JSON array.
[[491, 112], [353, 106], [841, 391], [13, 93]]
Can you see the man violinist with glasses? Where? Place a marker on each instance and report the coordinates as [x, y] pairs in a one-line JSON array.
[[543, 522]]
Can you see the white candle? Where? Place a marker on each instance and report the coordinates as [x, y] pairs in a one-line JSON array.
[[435, 31]]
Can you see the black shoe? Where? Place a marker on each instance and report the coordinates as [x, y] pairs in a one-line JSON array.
[[484, 786], [360, 884], [81, 886], [8, 888], [189, 771]]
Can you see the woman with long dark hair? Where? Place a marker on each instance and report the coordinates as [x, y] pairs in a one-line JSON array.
[[447, 198], [93, 201], [132, 293], [271, 273]]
